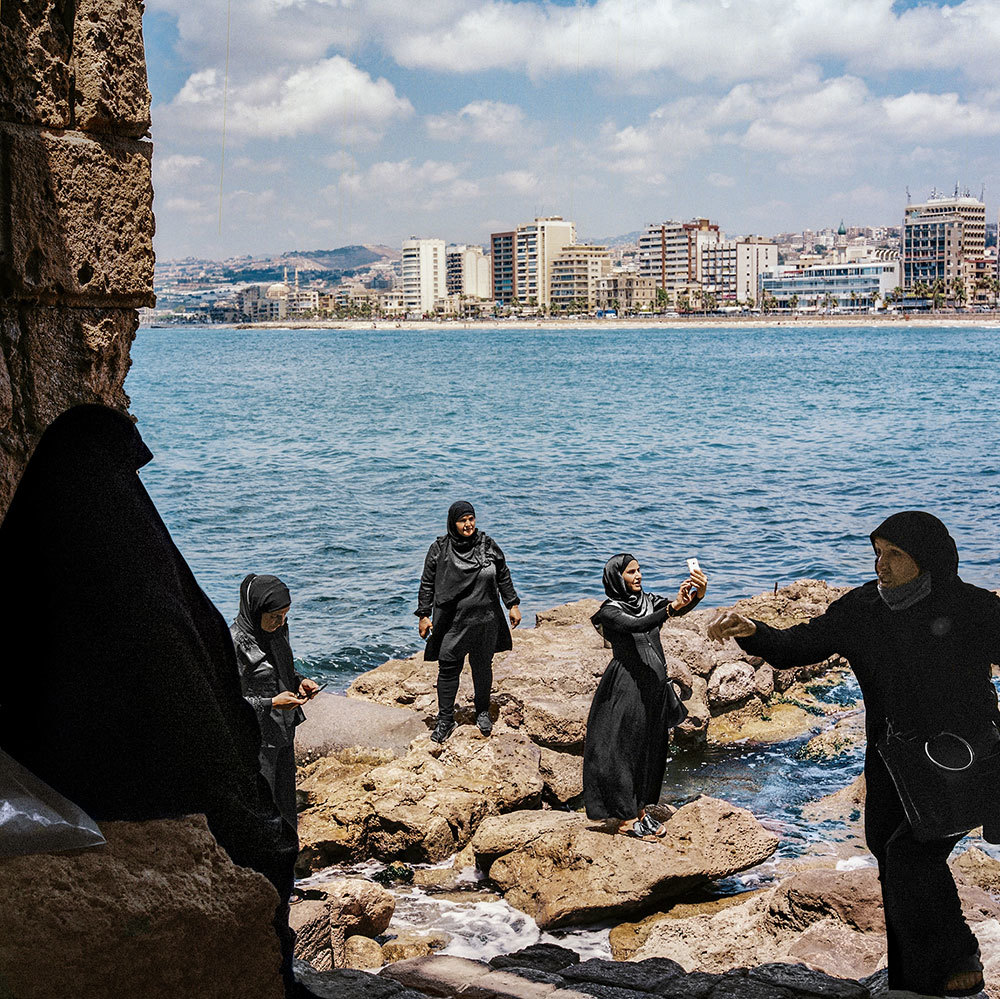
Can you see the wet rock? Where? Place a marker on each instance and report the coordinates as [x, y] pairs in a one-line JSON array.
[[422, 807], [405, 944], [437, 975], [642, 976], [335, 723], [346, 983], [363, 954], [109, 921], [541, 956], [562, 869], [841, 738], [803, 981]]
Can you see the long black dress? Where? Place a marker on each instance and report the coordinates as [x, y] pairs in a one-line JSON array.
[[635, 705], [925, 668], [266, 669]]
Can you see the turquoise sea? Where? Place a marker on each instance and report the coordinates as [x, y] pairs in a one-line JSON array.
[[330, 457]]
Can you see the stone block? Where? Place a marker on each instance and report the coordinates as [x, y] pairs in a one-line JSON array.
[[110, 92], [80, 224], [35, 53], [732, 681]]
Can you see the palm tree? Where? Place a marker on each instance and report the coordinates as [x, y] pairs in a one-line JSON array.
[[793, 303]]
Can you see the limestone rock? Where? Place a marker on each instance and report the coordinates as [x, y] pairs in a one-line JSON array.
[[160, 911], [405, 944], [578, 612], [81, 220], [562, 774], [363, 954], [561, 869], [732, 681], [420, 807], [110, 93], [974, 867]]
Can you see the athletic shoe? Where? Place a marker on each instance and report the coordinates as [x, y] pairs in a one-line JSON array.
[[444, 728], [484, 722]]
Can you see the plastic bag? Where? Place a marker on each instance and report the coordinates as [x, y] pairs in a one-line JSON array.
[[36, 819]]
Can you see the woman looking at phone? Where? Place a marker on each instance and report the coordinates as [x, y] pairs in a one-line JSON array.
[[635, 705]]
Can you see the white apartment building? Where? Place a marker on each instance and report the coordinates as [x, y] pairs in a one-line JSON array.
[[730, 268], [468, 272], [576, 272], [536, 247], [671, 252], [424, 274], [941, 239]]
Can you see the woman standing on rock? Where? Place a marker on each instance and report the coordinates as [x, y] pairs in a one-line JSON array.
[[635, 705], [465, 575]]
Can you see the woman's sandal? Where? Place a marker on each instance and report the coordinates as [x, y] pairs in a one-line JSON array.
[[637, 830], [963, 979], [652, 826]]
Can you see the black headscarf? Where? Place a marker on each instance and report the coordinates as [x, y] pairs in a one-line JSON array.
[[617, 590], [460, 559], [925, 539], [261, 595], [124, 695]]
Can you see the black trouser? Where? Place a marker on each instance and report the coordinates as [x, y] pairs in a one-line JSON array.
[[449, 671], [926, 933]]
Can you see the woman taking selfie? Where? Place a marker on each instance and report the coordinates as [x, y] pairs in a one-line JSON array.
[[465, 576], [635, 705]]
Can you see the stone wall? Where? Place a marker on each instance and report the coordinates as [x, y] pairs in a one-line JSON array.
[[76, 212]]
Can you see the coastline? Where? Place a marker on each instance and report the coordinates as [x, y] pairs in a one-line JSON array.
[[673, 322]]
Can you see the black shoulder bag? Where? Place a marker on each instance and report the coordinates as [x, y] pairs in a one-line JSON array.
[[948, 786]]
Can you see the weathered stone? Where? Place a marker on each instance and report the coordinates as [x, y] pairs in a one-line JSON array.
[[743, 988], [406, 944], [974, 867], [763, 680], [436, 975], [693, 731], [346, 983], [839, 739], [363, 954], [541, 956], [733, 681], [804, 981], [160, 911], [642, 976], [562, 774], [577, 612], [335, 723], [35, 52], [110, 93], [564, 869], [80, 223]]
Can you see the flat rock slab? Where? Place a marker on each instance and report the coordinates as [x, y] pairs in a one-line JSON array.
[[541, 956], [562, 869], [335, 722], [345, 983]]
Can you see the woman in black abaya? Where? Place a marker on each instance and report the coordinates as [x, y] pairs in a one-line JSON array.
[[635, 705], [270, 684], [124, 694], [465, 576]]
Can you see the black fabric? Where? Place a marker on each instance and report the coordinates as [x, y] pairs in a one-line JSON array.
[[266, 663], [135, 704], [926, 669], [449, 673], [461, 558], [471, 618], [925, 539], [634, 707], [616, 588], [455, 513]]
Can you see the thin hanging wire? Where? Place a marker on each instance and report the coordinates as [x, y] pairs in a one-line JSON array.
[[225, 98]]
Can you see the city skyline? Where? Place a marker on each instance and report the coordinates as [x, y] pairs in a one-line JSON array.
[[368, 123]]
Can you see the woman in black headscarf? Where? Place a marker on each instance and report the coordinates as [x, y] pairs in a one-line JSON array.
[[123, 693], [270, 684], [921, 642], [635, 705], [465, 575]]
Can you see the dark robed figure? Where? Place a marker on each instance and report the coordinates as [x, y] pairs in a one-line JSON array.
[[465, 576], [635, 705], [921, 642], [134, 710]]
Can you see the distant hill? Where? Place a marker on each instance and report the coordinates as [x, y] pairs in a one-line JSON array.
[[624, 240], [327, 265]]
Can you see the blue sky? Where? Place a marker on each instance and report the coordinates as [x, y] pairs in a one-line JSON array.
[[366, 121]]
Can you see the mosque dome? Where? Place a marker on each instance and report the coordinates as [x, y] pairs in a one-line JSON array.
[[842, 231], [278, 290]]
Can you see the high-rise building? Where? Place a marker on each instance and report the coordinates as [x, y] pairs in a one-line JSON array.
[[504, 272], [536, 247], [468, 272], [941, 238], [670, 252], [730, 268], [576, 271], [424, 274]]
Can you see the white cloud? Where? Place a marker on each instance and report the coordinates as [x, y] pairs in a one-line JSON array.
[[253, 164], [425, 186], [521, 181], [330, 97], [482, 121], [721, 180], [176, 165], [340, 160]]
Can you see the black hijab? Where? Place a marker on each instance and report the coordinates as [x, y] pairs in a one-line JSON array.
[[617, 589], [460, 559], [925, 539], [261, 595], [125, 695]]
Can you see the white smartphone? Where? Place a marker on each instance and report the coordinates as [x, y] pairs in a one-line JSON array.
[[692, 564]]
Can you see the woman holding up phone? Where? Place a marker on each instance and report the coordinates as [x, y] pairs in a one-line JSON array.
[[635, 705]]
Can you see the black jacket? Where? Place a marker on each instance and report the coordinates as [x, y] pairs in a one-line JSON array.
[[260, 681], [925, 668], [443, 614]]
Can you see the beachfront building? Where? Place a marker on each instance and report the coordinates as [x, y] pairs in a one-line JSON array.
[[502, 267], [731, 268], [671, 252], [522, 260], [852, 287], [941, 238], [467, 272], [626, 292], [424, 274], [983, 283], [576, 271]]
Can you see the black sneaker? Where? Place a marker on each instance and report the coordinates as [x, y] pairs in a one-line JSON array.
[[484, 722], [444, 728]]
